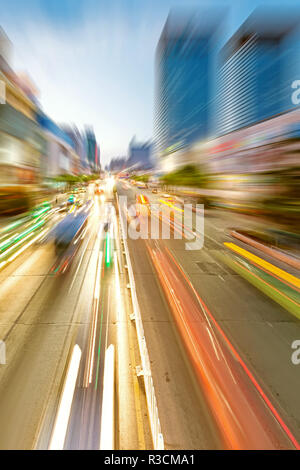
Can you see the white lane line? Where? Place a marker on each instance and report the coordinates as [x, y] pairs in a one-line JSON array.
[[84, 251], [107, 436], [97, 283], [213, 343], [91, 354], [108, 314], [118, 288], [79, 264], [62, 418]]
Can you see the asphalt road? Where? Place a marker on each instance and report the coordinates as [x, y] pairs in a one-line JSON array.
[[43, 314], [220, 349], [259, 330]]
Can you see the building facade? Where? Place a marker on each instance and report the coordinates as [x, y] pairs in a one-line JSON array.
[[78, 139], [139, 155], [22, 146], [255, 71], [92, 150], [61, 157], [184, 82]]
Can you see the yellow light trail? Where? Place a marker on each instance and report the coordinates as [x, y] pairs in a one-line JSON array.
[[264, 264], [170, 205]]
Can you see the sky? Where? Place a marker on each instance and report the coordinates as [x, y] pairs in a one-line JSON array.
[[93, 60]]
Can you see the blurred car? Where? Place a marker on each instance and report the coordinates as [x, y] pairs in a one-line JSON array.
[[79, 202], [71, 200], [154, 190], [63, 207], [69, 231], [142, 205], [98, 191], [142, 199]]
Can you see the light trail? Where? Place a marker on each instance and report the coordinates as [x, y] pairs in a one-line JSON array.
[[239, 359], [62, 418], [264, 264], [23, 248], [91, 348], [107, 415], [171, 205], [268, 289], [107, 250]]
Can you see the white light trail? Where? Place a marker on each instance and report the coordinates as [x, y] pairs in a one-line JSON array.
[[107, 415], [62, 418]]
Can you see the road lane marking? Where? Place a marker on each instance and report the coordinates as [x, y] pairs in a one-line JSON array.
[[80, 261], [62, 418], [170, 205], [91, 348], [108, 401], [264, 264], [99, 346]]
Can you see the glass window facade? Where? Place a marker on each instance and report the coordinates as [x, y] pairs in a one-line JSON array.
[[182, 91]]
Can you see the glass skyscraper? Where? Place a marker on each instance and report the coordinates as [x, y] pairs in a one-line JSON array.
[[254, 81], [184, 82]]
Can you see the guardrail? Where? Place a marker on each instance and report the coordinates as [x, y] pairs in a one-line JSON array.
[[145, 369]]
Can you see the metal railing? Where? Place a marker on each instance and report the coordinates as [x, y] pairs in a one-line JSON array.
[[145, 369]]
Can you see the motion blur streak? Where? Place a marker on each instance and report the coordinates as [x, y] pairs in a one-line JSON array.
[[92, 339], [62, 418], [238, 408], [118, 288], [268, 266], [287, 302], [23, 248], [107, 416], [170, 205], [235, 353]]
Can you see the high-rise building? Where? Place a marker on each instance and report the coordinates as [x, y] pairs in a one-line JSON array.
[[22, 145], [139, 155], [257, 67], [61, 157], [117, 164], [184, 80], [80, 148], [92, 150]]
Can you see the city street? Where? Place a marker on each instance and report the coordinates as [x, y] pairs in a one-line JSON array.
[[40, 328], [258, 329], [149, 229], [210, 334]]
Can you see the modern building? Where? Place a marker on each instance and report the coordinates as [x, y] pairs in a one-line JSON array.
[[257, 67], [61, 157], [184, 80], [22, 146], [78, 139], [139, 155], [117, 164], [92, 150]]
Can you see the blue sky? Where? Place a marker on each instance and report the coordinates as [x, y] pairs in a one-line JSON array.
[[93, 60]]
